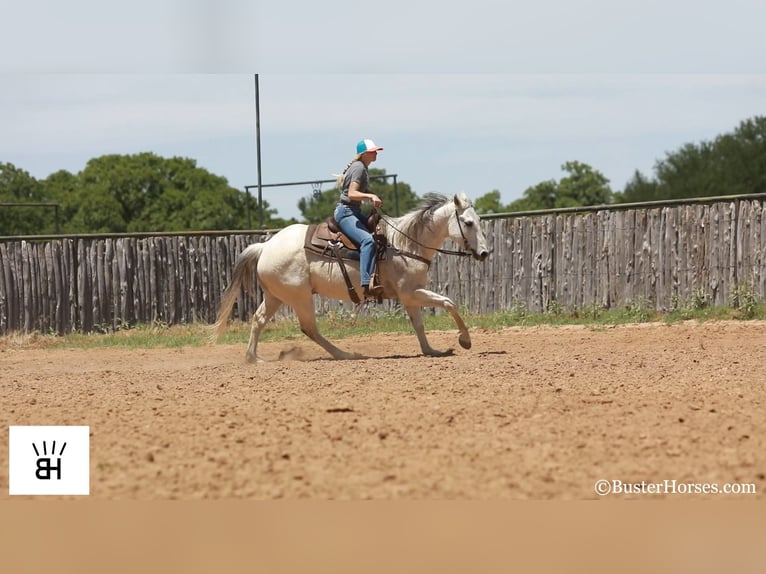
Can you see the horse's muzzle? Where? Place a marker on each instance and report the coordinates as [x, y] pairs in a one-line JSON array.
[[481, 256]]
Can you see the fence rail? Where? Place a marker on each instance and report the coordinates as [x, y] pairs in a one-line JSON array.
[[607, 257]]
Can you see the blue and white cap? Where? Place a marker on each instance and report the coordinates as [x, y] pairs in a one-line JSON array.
[[367, 145]]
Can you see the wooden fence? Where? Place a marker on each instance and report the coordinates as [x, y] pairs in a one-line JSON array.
[[652, 255], [656, 257]]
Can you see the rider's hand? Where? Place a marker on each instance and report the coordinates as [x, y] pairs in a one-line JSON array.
[[376, 202]]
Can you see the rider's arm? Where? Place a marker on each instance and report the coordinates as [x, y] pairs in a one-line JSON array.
[[355, 194]]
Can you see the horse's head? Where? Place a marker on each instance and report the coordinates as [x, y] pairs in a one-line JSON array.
[[465, 228]]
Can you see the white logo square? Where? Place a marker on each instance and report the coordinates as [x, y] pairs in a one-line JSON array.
[[48, 460]]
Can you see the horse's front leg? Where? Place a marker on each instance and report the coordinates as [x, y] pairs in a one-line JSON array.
[[424, 298], [416, 317]]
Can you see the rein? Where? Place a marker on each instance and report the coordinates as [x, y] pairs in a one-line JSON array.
[[388, 219]]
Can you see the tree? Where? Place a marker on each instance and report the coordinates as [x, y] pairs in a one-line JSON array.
[[489, 203], [126, 193], [638, 188], [98, 212], [582, 186], [540, 196], [733, 163], [149, 193], [319, 207], [746, 153], [145, 192], [18, 186], [61, 187]]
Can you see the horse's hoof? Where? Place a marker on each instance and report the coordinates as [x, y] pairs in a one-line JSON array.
[[465, 342]]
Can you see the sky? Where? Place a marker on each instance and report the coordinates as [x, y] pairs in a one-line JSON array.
[[491, 95]]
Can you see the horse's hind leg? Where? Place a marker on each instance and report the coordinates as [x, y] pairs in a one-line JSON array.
[[262, 315], [304, 309]]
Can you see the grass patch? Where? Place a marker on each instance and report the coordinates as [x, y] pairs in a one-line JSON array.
[[340, 325]]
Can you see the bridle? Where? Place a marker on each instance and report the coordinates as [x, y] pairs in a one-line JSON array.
[[389, 221]]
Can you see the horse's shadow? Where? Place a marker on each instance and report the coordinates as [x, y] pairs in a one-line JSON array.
[[297, 354], [450, 353]]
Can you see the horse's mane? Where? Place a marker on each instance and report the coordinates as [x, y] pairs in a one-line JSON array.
[[412, 224]]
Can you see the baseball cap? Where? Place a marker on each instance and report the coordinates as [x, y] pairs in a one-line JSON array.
[[367, 145]]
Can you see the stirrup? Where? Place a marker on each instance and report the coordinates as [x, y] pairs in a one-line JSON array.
[[374, 292]]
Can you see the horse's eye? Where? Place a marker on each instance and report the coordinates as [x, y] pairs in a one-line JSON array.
[[468, 223]]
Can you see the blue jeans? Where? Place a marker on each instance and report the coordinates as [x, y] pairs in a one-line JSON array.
[[353, 223]]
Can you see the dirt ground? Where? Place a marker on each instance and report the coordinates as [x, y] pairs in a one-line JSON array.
[[537, 413]]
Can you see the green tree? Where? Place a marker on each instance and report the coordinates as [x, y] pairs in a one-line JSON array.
[[686, 173], [98, 212], [638, 188], [489, 203], [18, 186], [745, 152], [732, 163], [271, 219], [319, 207], [581, 187], [124, 193], [61, 187], [145, 192], [540, 196]]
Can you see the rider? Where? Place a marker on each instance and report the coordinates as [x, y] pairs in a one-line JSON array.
[[354, 185]]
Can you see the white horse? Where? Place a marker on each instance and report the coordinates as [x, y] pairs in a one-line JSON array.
[[289, 274]]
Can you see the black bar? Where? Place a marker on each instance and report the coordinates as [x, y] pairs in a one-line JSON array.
[[309, 182], [396, 198], [52, 204], [258, 151]]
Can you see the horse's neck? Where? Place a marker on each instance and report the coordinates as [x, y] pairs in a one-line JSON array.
[[441, 224], [424, 240]]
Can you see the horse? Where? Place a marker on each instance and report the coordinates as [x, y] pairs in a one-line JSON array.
[[289, 274]]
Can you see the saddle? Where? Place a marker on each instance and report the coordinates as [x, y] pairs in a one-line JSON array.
[[327, 239]]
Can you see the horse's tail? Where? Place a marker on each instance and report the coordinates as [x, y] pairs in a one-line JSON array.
[[243, 277]]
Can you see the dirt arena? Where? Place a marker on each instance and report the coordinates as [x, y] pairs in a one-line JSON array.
[[536, 413]]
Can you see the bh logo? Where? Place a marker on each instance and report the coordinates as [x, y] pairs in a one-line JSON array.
[[44, 466], [49, 460]]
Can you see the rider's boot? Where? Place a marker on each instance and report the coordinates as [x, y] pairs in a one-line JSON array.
[[373, 292]]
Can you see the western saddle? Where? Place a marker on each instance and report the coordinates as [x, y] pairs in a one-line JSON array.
[[327, 239]]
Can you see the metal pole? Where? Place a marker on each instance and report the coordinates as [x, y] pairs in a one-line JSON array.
[[396, 198], [247, 207], [258, 151]]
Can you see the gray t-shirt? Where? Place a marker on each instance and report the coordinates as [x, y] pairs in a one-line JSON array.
[[355, 172]]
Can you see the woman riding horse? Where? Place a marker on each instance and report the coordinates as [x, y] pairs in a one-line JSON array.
[[289, 273], [354, 184]]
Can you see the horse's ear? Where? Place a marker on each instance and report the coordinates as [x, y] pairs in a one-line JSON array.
[[462, 201]]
